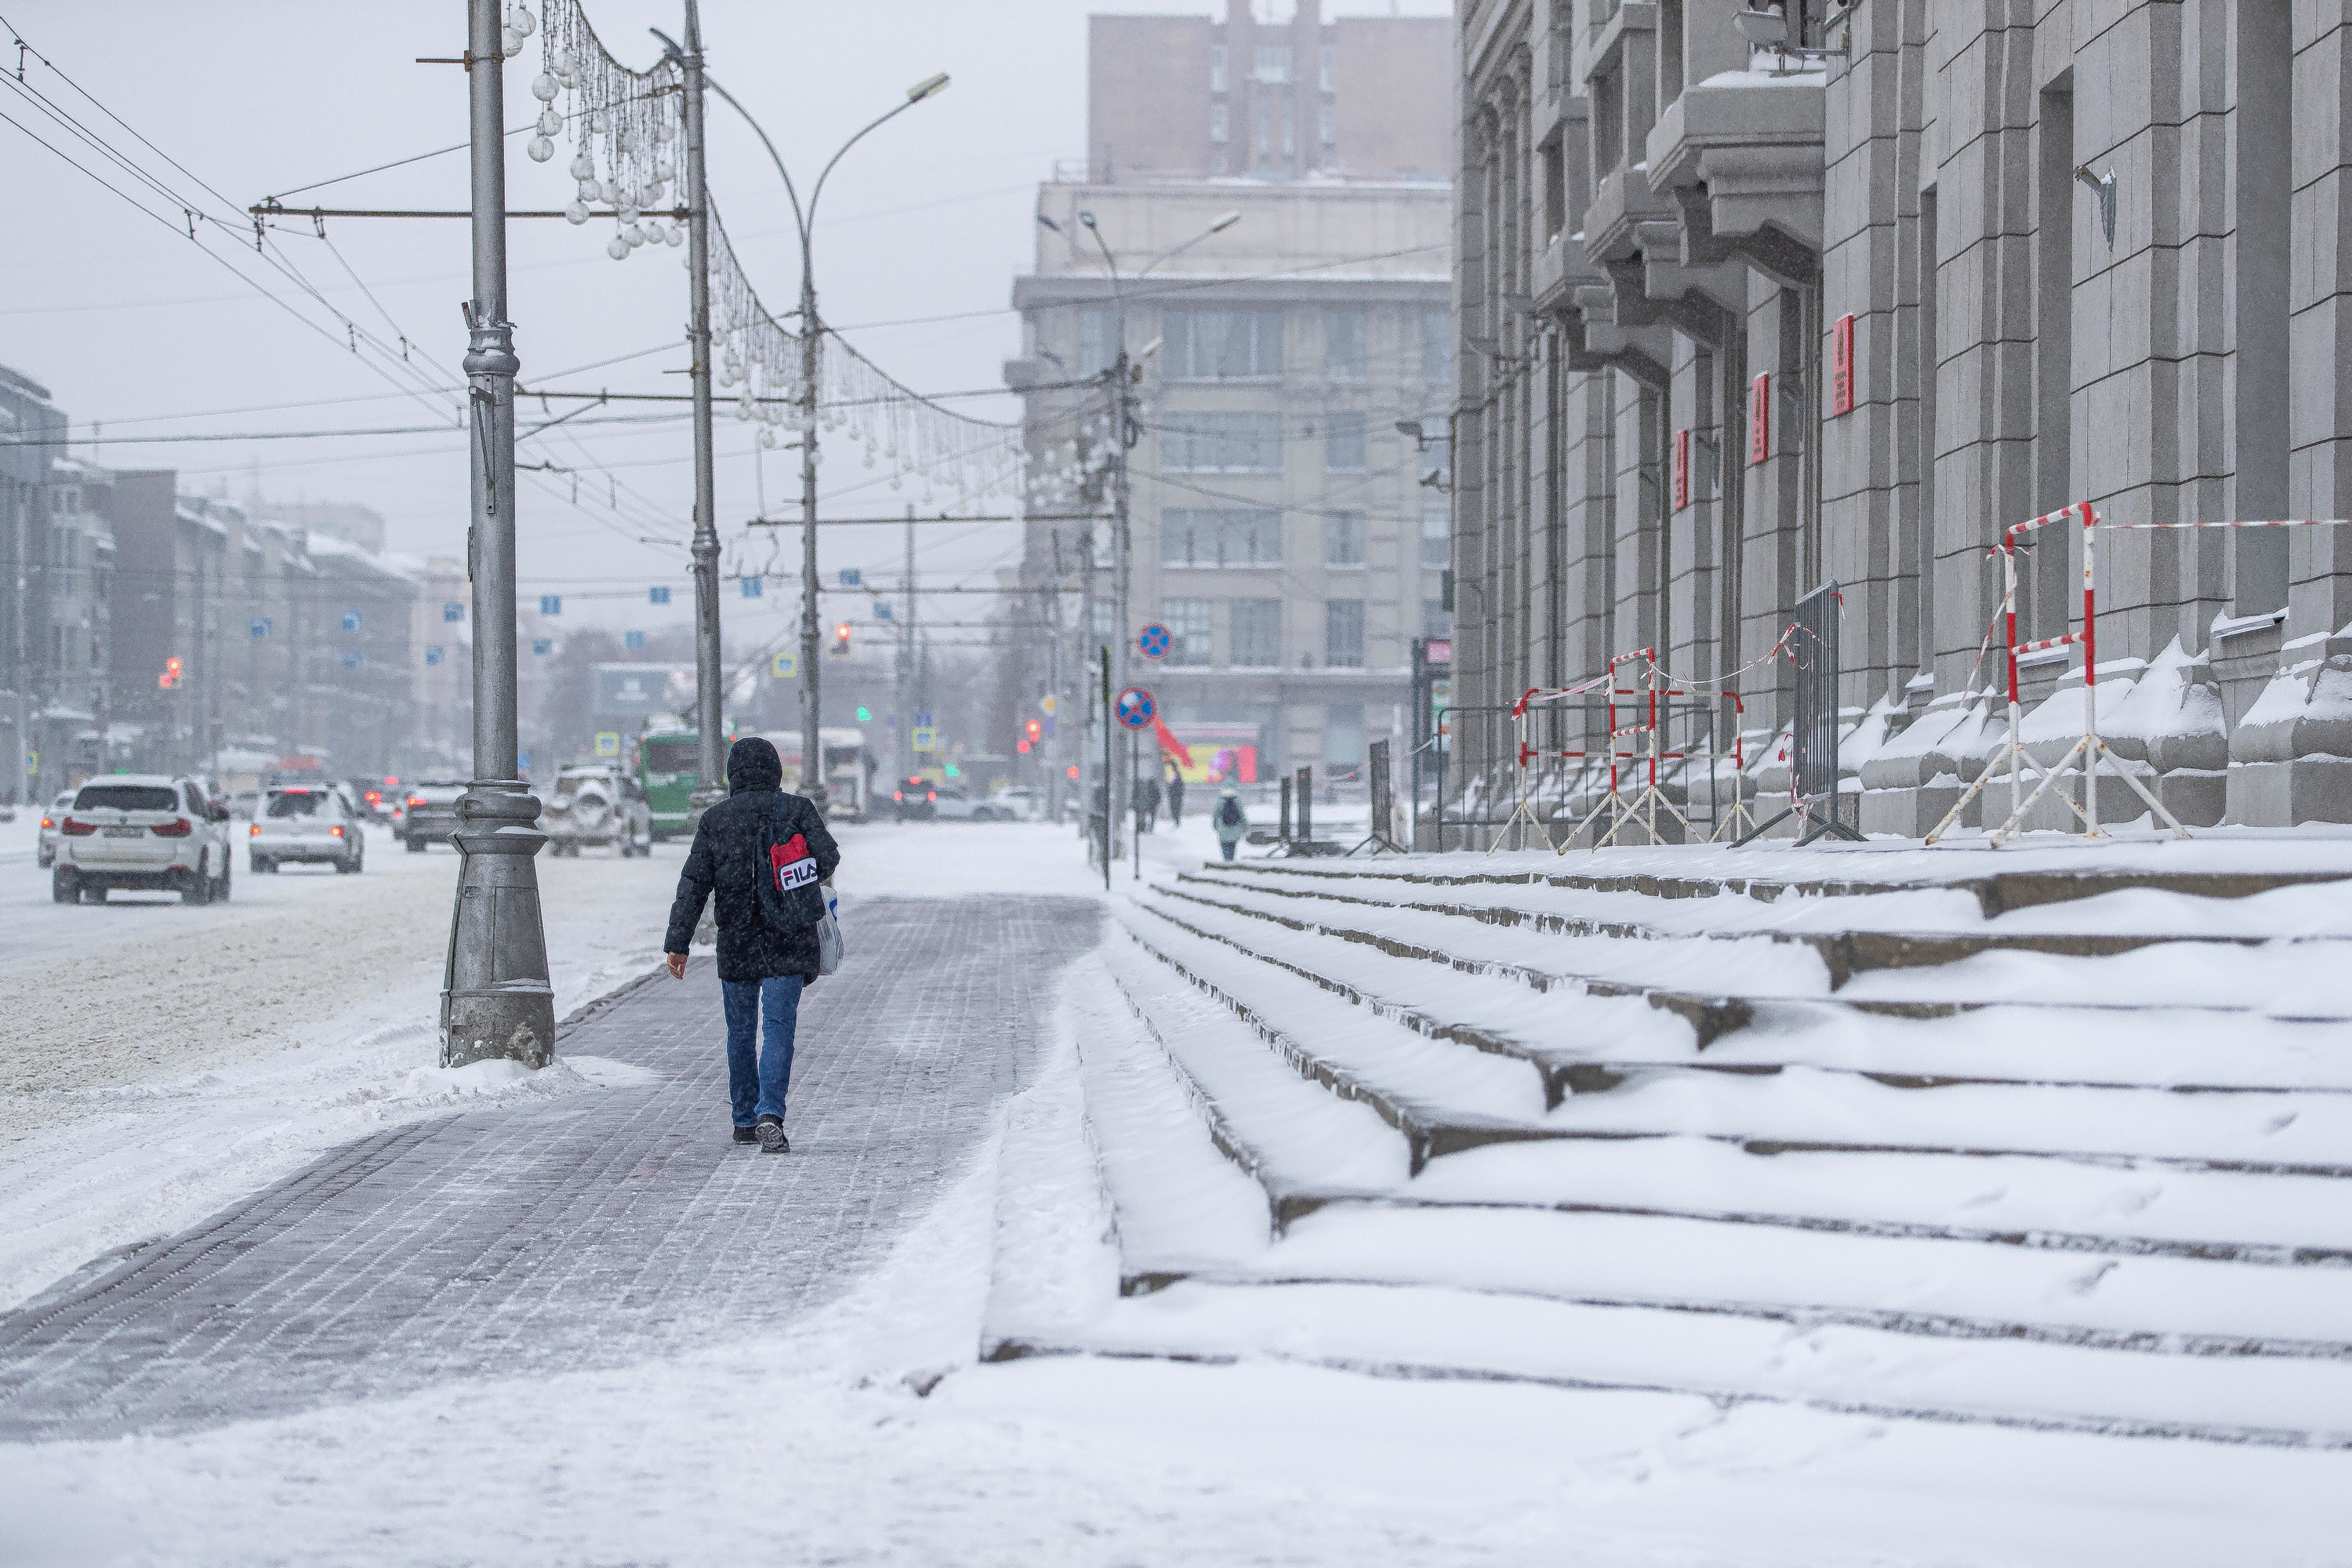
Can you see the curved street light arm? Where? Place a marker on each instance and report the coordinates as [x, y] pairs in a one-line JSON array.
[[800, 219]]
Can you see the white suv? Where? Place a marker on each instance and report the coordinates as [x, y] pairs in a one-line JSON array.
[[306, 823], [145, 832]]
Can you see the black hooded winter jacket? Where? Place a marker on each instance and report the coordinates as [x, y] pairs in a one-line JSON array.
[[730, 856]]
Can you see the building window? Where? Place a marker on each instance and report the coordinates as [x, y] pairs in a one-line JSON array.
[[1273, 64], [1436, 345], [1222, 443], [1435, 621], [1330, 80], [1344, 441], [1222, 346], [1289, 127], [1219, 121], [1343, 344], [1217, 161], [1343, 539], [1197, 537], [1257, 632], [1436, 538], [1343, 736], [1188, 630], [1343, 633], [1098, 341], [1106, 621], [1216, 68], [1331, 123]]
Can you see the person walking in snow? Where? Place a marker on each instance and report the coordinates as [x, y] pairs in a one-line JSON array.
[[1175, 799], [1229, 822], [758, 836]]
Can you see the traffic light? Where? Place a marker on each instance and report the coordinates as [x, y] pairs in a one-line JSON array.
[[1034, 730], [841, 638], [171, 676]]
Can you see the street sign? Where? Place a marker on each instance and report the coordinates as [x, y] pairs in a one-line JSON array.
[[1047, 702], [350, 661], [451, 610], [633, 639], [1135, 708], [261, 625], [657, 595], [551, 604], [785, 665], [850, 577], [1152, 642], [752, 587], [433, 653], [924, 737], [924, 719], [542, 645], [881, 609], [350, 620], [608, 744]]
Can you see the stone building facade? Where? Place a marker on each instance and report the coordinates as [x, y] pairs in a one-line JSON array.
[[1735, 323]]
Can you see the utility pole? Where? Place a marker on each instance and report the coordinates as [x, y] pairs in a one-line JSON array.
[[709, 695], [496, 1001], [812, 361], [907, 662]]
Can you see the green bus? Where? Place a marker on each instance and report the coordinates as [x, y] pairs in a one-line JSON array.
[[669, 768]]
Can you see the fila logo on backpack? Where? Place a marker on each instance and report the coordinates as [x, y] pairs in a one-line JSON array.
[[793, 864]]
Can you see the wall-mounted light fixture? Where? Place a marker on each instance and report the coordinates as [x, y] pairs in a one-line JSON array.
[[2105, 184], [1767, 27]]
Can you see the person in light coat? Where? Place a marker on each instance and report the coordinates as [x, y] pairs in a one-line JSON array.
[[1231, 823]]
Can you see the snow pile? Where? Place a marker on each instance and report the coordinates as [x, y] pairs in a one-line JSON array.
[[2305, 711]]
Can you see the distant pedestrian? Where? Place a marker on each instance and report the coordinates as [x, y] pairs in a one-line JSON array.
[[1175, 799], [758, 836], [1229, 822], [1143, 799]]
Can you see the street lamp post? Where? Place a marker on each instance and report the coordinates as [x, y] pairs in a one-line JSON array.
[[494, 998], [1122, 377], [811, 364]]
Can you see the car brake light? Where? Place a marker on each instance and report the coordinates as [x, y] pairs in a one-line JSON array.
[[254, 831], [337, 830], [47, 823], [931, 794], [416, 800], [898, 795], [178, 829], [74, 829]]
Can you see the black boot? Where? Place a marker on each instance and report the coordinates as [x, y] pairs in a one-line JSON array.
[[770, 1133]]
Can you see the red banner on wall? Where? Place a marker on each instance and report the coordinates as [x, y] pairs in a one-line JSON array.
[[1842, 366], [1760, 418], [1682, 470]]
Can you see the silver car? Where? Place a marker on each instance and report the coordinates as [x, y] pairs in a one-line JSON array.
[[597, 806], [144, 832], [308, 824], [47, 852]]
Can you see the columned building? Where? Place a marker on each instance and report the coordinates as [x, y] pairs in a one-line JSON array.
[[1737, 320]]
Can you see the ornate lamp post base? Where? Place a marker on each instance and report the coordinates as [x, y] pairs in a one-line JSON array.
[[496, 1001]]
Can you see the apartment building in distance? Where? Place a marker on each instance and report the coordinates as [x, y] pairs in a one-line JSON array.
[[1279, 527]]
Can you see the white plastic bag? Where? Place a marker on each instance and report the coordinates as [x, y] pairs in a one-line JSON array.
[[828, 933]]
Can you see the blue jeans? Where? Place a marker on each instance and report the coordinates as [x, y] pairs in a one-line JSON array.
[[756, 1079], [1230, 845]]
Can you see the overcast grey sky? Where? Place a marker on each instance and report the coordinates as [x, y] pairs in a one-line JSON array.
[[135, 328]]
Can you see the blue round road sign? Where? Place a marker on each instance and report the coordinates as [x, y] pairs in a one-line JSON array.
[[1134, 708], [1152, 641]]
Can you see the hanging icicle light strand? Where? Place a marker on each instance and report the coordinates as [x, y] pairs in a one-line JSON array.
[[629, 142]]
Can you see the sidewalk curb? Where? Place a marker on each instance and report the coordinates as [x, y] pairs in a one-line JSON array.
[[595, 1005]]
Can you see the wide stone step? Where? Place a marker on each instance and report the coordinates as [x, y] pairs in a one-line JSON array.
[[2031, 877], [1438, 1331]]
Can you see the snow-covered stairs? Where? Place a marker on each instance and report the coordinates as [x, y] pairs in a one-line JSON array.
[[1958, 1153]]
